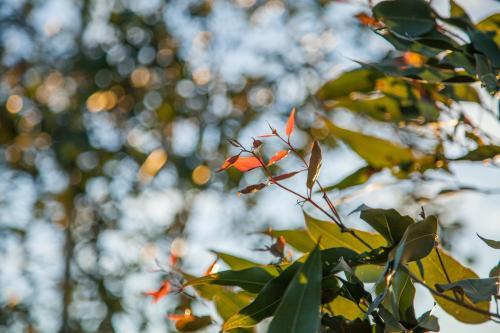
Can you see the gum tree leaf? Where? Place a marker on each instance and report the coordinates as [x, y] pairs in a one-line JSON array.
[[490, 242], [417, 242], [434, 274], [266, 302], [429, 322], [481, 153], [346, 308], [378, 153], [331, 236], [476, 289], [359, 80], [387, 222], [407, 18], [314, 165], [278, 157], [290, 124], [298, 239], [358, 177], [402, 296], [235, 263], [192, 323], [250, 279], [298, 311], [252, 189]]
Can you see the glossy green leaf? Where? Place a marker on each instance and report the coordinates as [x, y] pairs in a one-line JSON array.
[[266, 302], [477, 290], [251, 279], [407, 18], [298, 311], [331, 236], [298, 239], [434, 274]]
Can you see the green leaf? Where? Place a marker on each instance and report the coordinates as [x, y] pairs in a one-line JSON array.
[[251, 279], [369, 273], [378, 153], [407, 18], [358, 80], [491, 25], [402, 296], [477, 290], [298, 239], [314, 165], [486, 73], [331, 236], [265, 303], [234, 262], [193, 323], [428, 322], [481, 153], [358, 177], [379, 108], [490, 242], [387, 222], [434, 274], [298, 311], [486, 45], [346, 308], [417, 242]]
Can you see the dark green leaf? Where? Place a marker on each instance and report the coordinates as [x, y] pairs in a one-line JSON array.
[[314, 165], [265, 303], [251, 279], [298, 311], [402, 296], [477, 290], [340, 324], [491, 243], [428, 322], [387, 222], [407, 18], [417, 242]]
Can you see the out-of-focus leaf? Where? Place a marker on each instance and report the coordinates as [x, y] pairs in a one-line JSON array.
[[298, 239], [346, 308], [387, 222], [358, 80], [367, 20], [491, 25], [481, 153], [434, 274], [486, 73], [417, 242], [192, 323], [251, 279], [340, 324], [161, 292], [252, 188], [235, 263], [407, 18], [477, 290], [242, 163], [380, 108], [491, 243], [314, 165], [358, 177], [331, 236], [378, 153], [265, 303], [298, 311], [290, 124], [486, 45], [278, 157]]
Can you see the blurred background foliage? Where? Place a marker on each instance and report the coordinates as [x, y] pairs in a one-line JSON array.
[[115, 114]]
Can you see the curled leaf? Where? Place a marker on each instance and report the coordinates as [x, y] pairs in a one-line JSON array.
[[290, 124], [252, 188], [278, 157], [314, 165], [160, 293]]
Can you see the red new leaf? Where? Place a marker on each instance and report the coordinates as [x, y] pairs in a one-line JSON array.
[[278, 157], [160, 293], [228, 162], [290, 123], [242, 163]]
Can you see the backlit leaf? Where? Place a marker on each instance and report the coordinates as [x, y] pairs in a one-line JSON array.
[[298, 311], [235, 263], [298, 239], [278, 157], [314, 165], [161, 292], [477, 290], [290, 124]]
